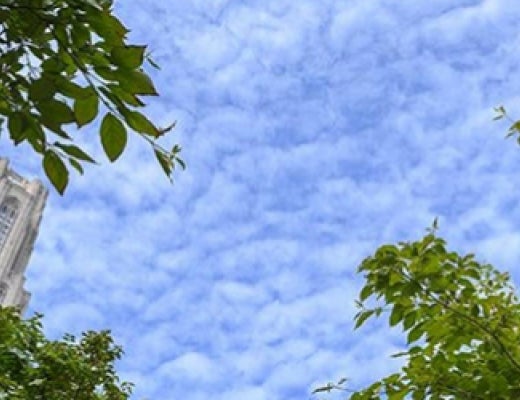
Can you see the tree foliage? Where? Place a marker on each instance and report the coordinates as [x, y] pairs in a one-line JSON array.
[[35, 368], [63, 64], [460, 319]]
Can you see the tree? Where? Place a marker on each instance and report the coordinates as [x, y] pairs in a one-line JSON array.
[[461, 319], [35, 368], [61, 61]]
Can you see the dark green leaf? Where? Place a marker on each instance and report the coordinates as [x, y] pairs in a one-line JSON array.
[[56, 111], [114, 90], [42, 89], [108, 27], [71, 89], [85, 110], [327, 388], [181, 162], [75, 151], [130, 57], [113, 136], [139, 123], [17, 125], [56, 171], [137, 82], [80, 35], [53, 65], [76, 165]]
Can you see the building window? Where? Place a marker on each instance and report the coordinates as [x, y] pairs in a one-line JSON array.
[[8, 213]]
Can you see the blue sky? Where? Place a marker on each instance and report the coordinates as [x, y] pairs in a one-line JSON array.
[[314, 131]]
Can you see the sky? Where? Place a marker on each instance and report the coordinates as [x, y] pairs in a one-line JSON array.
[[314, 131]]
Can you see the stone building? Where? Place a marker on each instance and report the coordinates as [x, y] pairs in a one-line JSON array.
[[21, 207]]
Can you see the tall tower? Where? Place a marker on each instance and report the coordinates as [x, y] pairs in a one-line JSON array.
[[21, 207]]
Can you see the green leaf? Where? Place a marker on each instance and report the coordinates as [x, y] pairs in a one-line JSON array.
[[327, 388], [139, 123], [396, 315], [415, 334], [164, 161], [362, 317], [137, 82], [181, 162], [130, 57], [409, 320], [42, 89], [399, 395], [75, 151], [366, 292], [80, 35], [85, 110], [108, 73], [429, 266], [17, 125], [108, 27], [113, 136], [76, 165], [124, 96], [56, 111], [515, 128], [72, 89], [54, 65], [56, 171], [395, 278]]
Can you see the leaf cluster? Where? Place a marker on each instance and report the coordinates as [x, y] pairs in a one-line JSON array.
[[461, 319], [64, 62], [35, 368]]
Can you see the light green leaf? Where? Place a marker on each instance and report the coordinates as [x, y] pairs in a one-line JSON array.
[[415, 334], [362, 317], [396, 315], [409, 320]]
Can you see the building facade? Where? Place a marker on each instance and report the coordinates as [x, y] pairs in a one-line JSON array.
[[21, 207]]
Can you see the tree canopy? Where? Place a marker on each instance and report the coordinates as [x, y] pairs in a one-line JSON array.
[[63, 64], [460, 319], [35, 368]]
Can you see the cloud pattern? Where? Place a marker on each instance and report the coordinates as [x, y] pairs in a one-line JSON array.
[[314, 131]]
